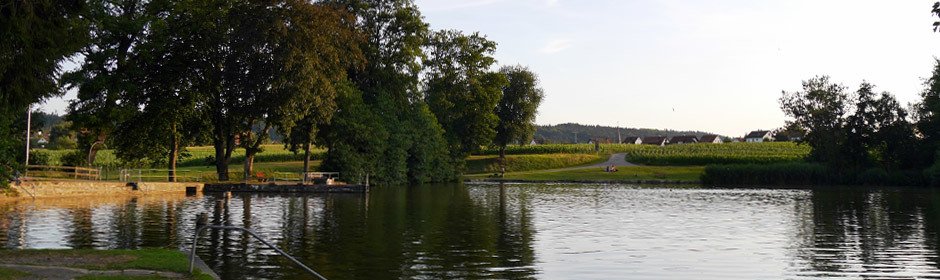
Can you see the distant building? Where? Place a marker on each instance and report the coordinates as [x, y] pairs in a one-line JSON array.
[[758, 136], [710, 138], [784, 136], [658, 141], [632, 140], [683, 139]]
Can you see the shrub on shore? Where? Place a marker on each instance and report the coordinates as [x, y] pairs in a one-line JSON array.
[[807, 174]]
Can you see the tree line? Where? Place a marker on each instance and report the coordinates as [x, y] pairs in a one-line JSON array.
[[855, 131], [867, 130], [367, 79]]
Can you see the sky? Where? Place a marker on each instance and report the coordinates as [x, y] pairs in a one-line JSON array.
[[718, 66]]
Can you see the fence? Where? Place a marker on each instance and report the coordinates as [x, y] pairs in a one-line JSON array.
[[62, 172]]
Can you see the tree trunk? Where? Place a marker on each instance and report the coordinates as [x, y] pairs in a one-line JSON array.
[[306, 158], [502, 160], [174, 155], [221, 160], [253, 147], [249, 163], [95, 146]]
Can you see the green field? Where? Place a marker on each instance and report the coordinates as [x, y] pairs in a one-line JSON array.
[[681, 154], [489, 163], [624, 173]]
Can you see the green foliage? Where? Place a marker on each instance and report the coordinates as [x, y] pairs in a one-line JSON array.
[[928, 112], [769, 174], [413, 148], [460, 91], [35, 36], [853, 132], [821, 108], [355, 138], [427, 159], [105, 76], [806, 174], [517, 107]]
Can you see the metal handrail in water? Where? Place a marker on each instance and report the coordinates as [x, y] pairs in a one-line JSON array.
[[192, 256]]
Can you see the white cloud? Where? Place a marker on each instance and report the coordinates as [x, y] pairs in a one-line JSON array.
[[555, 46], [551, 3]]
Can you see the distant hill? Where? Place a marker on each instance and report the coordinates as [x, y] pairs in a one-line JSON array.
[[565, 133]]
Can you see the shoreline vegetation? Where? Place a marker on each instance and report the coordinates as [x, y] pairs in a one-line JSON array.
[[728, 164]]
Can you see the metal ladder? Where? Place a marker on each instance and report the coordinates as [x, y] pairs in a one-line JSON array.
[[192, 256]]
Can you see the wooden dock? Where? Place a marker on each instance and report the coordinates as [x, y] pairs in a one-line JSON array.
[[284, 188]]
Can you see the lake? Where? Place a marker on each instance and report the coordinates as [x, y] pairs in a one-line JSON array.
[[518, 231]]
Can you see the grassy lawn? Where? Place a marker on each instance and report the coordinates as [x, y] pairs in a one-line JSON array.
[[148, 259], [673, 173], [9, 274]]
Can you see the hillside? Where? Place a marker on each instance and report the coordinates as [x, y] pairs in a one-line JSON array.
[[566, 133]]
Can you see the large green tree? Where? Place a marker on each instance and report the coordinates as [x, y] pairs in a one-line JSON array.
[[852, 132], [928, 111], [104, 79], [820, 108], [257, 65], [409, 138], [35, 37], [517, 108], [461, 90]]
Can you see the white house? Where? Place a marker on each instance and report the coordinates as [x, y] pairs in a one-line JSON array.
[[658, 141], [758, 136], [710, 138], [632, 140]]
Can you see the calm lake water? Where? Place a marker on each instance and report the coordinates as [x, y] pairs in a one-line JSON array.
[[518, 231]]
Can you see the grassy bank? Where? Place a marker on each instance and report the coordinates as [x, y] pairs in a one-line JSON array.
[[807, 174], [514, 163], [100, 260], [624, 173]]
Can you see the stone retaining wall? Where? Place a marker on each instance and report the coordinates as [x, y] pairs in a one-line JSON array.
[[62, 188]]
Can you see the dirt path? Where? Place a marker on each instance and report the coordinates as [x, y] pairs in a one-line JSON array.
[[615, 160]]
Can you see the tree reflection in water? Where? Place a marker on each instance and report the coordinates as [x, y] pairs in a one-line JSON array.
[[457, 231], [872, 233]]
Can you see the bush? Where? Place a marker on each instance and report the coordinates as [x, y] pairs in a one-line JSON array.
[[39, 157], [768, 174], [806, 174], [73, 158]]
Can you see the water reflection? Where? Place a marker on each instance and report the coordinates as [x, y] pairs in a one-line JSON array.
[[887, 233], [516, 232]]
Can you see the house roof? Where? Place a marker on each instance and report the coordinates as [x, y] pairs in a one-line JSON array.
[[630, 139], [684, 139], [654, 140], [708, 138], [757, 134]]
